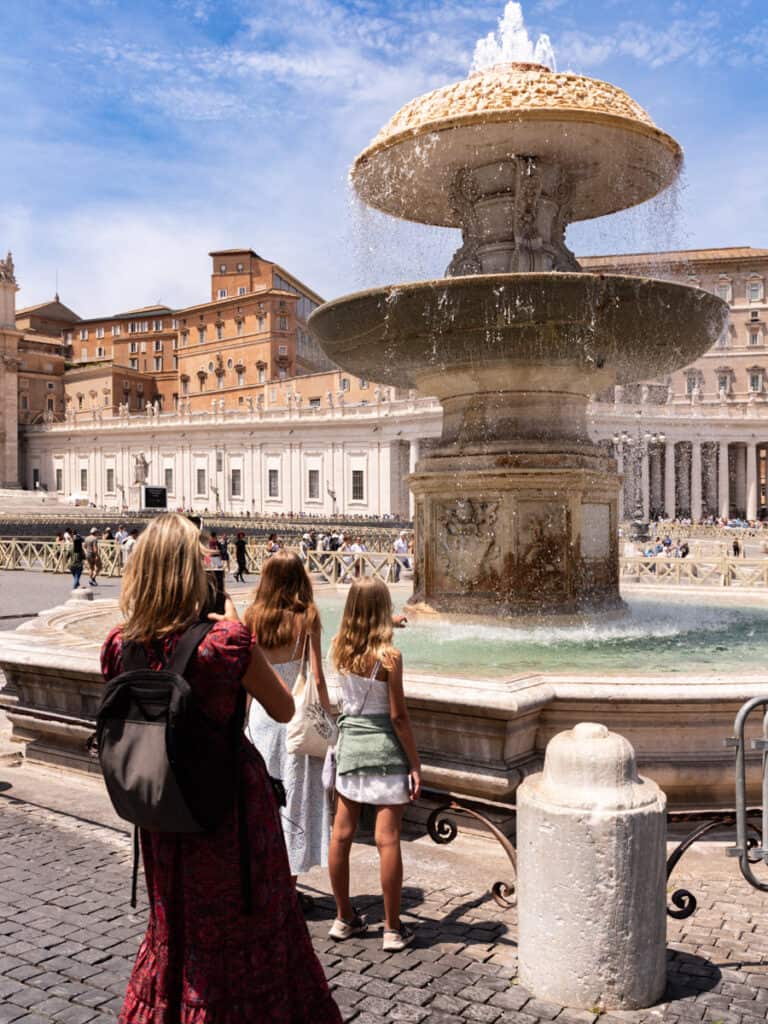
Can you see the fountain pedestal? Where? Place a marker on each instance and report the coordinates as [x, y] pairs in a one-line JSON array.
[[502, 538]]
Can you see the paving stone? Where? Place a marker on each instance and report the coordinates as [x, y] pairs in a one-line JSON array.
[[448, 1004], [482, 1014], [416, 996], [409, 1014], [542, 1009], [514, 998]]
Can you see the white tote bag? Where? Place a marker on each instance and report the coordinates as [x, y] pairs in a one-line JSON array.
[[311, 730]]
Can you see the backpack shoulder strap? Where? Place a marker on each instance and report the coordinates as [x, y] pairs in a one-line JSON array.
[[133, 656], [188, 643]]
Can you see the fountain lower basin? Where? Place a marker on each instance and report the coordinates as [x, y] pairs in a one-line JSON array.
[[484, 701]]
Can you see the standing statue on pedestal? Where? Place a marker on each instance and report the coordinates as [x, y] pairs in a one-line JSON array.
[[140, 469]]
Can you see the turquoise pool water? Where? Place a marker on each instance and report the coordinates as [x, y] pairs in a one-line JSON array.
[[670, 634]]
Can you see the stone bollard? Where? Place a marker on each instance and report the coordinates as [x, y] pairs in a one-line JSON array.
[[591, 848]]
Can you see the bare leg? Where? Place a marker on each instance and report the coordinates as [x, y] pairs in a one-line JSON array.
[[388, 822], [344, 828]]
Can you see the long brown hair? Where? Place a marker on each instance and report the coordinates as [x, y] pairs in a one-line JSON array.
[[365, 631], [165, 585], [284, 590]]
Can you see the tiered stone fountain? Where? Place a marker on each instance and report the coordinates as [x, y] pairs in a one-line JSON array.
[[516, 509]]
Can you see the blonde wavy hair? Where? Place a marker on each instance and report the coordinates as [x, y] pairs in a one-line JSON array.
[[165, 586], [284, 590], [365, 631]]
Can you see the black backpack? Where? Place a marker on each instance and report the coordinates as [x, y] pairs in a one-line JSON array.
[[167, 766]]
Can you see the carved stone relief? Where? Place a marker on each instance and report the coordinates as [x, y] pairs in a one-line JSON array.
[[467, 540]]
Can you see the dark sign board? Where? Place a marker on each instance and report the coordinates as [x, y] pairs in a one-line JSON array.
[[155, 497]]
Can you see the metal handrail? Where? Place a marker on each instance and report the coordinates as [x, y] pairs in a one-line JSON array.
[[748, 850]]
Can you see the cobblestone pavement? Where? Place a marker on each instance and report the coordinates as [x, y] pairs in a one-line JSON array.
[[68, 938]]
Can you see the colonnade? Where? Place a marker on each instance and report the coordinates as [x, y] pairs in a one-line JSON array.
[[692, 479]]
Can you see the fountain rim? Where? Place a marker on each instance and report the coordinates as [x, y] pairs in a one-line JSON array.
[[490, 279]]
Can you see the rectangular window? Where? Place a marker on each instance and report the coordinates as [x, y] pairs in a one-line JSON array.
[[185, 387], [358, 485], [723, 291], [219, 332], [262, 374], [158, 345], [158, 363], [345, 383], [83, 334], [754, 291], [240, 379], [282, 350], [723, 382], [273, 394], [237, 483], [282, 373], [83, 353], [219, 462], [99, 332], [157, 325], [115, 330], [274, 483], [201, 335], [50, 385], [175, 362], [313, 484], [261, 322], [222, 293], [282, 323], [363, 384], [59, 479], [174, 324], [314, 403], [133, 346], [220, 381], [49, 404], [174, 343], [110, 481], [24, 402], [184, 338], [241, 290], [754, 337], [143, 346], [240, 328], [100, 352], [755, 382], [200, 482], [83, 481], [168, 479], [133, 363]]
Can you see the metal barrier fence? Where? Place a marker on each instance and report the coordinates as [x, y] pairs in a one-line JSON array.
[[329, 566], [718, 571]]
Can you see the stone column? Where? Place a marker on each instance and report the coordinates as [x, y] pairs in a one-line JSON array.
[[684, 481], [413, 458], [657, 497], [723, 482], [591, 849], [741, 479], [751, 502], [645, 485], [696, 481], [670, 504]]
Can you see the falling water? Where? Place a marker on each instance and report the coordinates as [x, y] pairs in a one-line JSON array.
[[511, 42]]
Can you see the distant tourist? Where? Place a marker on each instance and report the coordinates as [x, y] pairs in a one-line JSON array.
[[736, 548], [272, 546], [75, 555], [285, 623], [240, 557], [378, 763], [129, 544], [121, 534], [204, 956], [400, 548], [91, 545]]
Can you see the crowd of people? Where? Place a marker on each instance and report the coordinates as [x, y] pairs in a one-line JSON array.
[[204, 953]]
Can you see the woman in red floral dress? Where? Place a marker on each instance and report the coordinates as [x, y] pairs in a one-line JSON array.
[[204, 960]]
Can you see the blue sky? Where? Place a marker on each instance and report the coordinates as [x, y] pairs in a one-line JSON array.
[[140, 134]]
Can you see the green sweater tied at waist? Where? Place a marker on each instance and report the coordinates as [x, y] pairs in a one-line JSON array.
[[368, 743]]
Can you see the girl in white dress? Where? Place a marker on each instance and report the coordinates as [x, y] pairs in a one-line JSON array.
[[376, 757], [282, 618]]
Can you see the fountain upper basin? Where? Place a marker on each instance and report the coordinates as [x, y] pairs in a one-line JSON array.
[[612, 154], [607, 327]]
